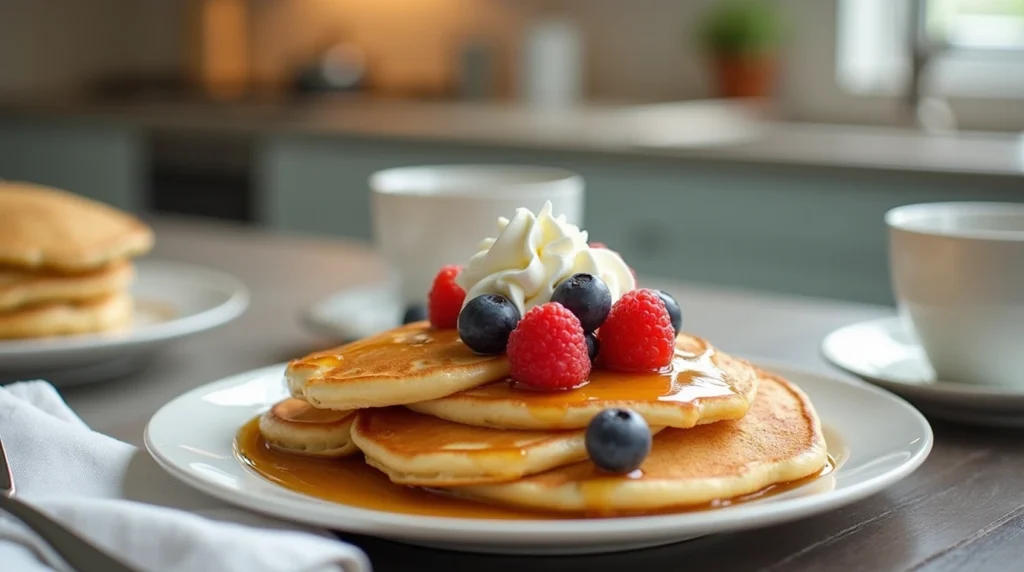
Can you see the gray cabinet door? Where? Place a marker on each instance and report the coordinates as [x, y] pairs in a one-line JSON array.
[[98, 160], [794, 229]]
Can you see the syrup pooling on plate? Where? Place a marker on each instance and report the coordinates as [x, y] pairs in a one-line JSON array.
[[353, 483], [689, 377]]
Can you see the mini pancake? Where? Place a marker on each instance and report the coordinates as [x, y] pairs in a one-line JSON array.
[[42, 227], [104, 314], [779, 440], [19, 287], [294, 426], [414, 449], [407, 364], [703, 385]]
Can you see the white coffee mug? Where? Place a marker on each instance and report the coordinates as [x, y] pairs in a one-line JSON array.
[[429, 216], [958, 276]]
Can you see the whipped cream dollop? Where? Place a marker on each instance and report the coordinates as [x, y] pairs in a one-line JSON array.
[[532, 254]]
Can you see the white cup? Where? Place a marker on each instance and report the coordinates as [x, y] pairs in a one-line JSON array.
[[958, 275], [426, 217]]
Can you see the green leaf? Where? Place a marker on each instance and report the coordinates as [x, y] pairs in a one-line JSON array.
[[742, 27]]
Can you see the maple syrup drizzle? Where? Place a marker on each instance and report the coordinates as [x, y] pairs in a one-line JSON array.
[[689, 379], [417, 345], [352, 482]]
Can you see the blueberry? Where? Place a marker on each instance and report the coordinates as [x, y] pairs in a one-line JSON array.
[[414, 313], [618, 440], [593, 346], [486, 322], [586, 296], [673, 310]]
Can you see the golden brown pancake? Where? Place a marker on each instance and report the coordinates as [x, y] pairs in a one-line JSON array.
[[19, 287], [42, 227], [108, 313], [407, 364], [414, 449], [778, 440], [703, 385], [294, 426]]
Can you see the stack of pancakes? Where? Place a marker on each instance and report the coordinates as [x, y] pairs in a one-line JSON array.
[[64, 263], [426, 411]]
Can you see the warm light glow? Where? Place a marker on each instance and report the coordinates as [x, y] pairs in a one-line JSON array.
[[225, 47], [411, 44]]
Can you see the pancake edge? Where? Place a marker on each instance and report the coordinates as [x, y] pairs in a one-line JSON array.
[[105, 314], [459, 469], [365, 392], [520, 417], [134, 239], [335, 442], [657, 495], [53, 288], [498, 414]]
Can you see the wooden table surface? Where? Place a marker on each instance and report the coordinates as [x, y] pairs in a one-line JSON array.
[[963, 510]]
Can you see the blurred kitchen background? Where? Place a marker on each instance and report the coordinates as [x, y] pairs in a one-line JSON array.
[[749, 143]]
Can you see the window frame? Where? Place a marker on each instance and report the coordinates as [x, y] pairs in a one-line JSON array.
[[874, 57]]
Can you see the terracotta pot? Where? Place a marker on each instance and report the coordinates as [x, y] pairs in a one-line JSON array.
[[745, 76]]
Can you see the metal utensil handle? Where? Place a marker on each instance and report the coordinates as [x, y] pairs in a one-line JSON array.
[[6, 474], [78, 552]]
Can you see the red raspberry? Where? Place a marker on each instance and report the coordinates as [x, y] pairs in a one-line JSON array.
[[445, 299], [638, 334], [547, 350]]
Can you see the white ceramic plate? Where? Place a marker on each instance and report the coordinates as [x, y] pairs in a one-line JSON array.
[[883, 352], [192, 438], [354, 313], [172, 301]]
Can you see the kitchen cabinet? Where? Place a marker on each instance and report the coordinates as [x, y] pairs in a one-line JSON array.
[[788, 228], [100, 160], [778, 223]]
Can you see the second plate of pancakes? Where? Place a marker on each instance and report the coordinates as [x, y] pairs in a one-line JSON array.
[[170, 301], [194, 438], [75, 307]]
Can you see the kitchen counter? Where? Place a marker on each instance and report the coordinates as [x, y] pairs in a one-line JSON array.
[[699, 130], [700, 191]]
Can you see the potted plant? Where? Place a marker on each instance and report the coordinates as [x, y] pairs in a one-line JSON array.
[[742, 38]]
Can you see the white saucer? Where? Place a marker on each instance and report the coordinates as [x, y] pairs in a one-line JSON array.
[[354, 313], [192, 438], [172, 301], [883, 352]]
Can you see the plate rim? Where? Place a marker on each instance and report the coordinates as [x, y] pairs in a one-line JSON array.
[[932, 388], [311, 316], [517, 532], [235, 305]]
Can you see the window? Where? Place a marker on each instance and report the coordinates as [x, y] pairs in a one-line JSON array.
[[976, 24], [976, 46]]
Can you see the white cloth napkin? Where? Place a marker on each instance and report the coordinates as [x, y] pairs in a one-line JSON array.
[[117, 496]]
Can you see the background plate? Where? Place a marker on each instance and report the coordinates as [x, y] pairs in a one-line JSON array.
[[882, 352], [173, 300], [354, 313]]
